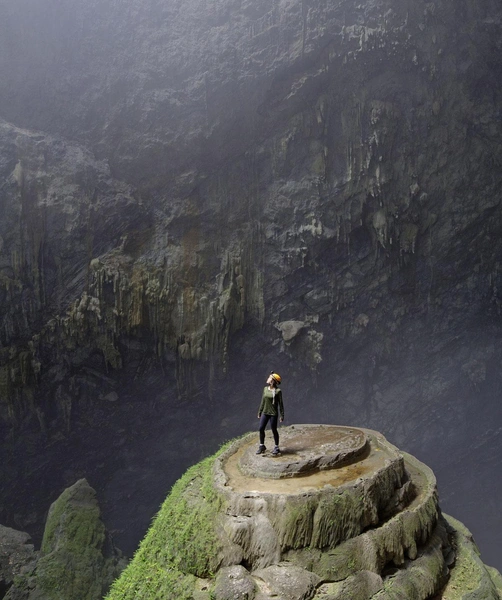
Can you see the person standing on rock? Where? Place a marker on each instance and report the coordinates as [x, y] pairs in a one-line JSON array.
[[270, 408]]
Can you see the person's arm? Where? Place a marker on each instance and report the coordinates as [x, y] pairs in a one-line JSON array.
[[260, 410], [281, 405]]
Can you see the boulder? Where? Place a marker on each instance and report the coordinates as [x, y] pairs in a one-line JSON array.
[[234, 583], [78, 560], [287, 581], [17, 556]]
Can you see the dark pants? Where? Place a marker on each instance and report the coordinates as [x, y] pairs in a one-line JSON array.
[[264, 419]]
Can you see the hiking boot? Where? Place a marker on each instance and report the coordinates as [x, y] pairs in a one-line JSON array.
[[276, 451], [261, 449]]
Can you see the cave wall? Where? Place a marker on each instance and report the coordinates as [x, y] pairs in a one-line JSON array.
[[194, 191]]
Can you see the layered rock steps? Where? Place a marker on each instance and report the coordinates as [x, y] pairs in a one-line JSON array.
[[395, 541], [352, 517], [342, 513], [306, 449]]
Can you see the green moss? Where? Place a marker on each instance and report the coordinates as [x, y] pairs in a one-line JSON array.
[[496, 577], [469, 578], [72, 563], [181, 544], [338, 518], [82, 528], [297, 523], [335, 564], [338, 564]]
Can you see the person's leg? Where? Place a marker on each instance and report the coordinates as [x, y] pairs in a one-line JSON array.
[[273, 426], [263, 423]]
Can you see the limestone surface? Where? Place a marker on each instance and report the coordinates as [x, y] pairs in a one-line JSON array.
[[470, 579], [17, 555], [306, 449]]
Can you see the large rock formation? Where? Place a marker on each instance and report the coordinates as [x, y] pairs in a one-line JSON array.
[[330, 519], [196, 189], [17, 557], [77, 560]]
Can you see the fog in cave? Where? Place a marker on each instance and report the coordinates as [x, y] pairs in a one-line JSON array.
[[193, 194]]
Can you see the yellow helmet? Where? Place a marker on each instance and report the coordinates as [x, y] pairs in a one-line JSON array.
[[276, 376]]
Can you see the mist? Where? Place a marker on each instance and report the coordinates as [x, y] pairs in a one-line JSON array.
[[196, 193]]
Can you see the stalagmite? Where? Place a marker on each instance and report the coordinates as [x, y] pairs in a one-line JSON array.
[[341, 513]]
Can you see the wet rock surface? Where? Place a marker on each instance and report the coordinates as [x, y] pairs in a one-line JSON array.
[[306, 449], [77, 561]]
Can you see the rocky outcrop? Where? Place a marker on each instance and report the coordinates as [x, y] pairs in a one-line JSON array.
[[17, 557], [77, 560], [470, 578], [59, 209], [368, 529]]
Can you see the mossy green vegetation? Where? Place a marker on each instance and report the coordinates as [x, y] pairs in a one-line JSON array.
[[81, 528], [77, 561], [338, 517], [496, 578], [296, 523], [206, 541], [469, 579], [181, 544]]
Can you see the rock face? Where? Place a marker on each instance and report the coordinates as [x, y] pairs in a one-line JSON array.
[[193, 192], [17, 556], [77, 561], [371, 528]]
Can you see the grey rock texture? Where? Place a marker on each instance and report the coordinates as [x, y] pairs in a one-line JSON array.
[[287, 581], [59, 207], [193, 192], [364, 585], [17, 556], [471, 579], [234, 583]]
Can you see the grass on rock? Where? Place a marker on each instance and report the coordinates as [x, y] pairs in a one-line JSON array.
[[181, 544]]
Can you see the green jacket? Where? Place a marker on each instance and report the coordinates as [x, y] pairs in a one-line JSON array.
[[269, 404]]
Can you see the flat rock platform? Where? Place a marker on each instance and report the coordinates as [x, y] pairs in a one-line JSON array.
[[305, 449]]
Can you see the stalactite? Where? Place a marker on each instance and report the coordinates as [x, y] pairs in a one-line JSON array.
[[129, 298]]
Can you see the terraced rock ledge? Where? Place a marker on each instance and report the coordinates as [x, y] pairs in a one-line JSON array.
[[341, 513]]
